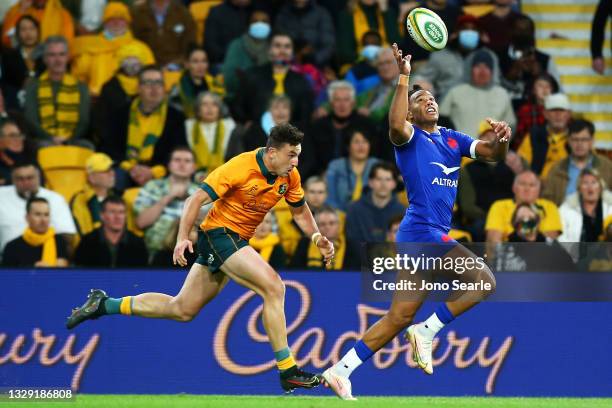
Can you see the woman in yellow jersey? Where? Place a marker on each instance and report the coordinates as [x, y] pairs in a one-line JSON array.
[[243, 191]]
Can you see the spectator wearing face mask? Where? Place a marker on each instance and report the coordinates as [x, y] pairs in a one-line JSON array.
[[246, 51]]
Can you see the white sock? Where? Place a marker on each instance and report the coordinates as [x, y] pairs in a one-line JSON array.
[[347, 364], [432, 325]]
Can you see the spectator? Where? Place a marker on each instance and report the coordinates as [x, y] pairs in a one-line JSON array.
[[521, 62], [546, 144], [327, 138], [482, 183], [22, 63], [26, 184], [267, 242], [393, 227], [257, 134], [519, 254], [122, 88], [86, 204], [95, 58], [160, 202], [316, 193], [531, 113], [224, 23], [263, 82], [363, 74], [367, 219], [526, 189], [445, 68], [487, 99], [375, 102], [311, 25], [347, 176], [111, 245], [246, 51], [195, 80], [54, 20], [359, 17], [347, 251], [14, 148], [563, 176], [503, 15], [39, 246], [143, 133], [602, 15], [583, 212], [167, 27], [58, 123], [208, 134]]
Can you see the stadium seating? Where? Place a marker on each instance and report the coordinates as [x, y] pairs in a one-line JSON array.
[[64, 168]]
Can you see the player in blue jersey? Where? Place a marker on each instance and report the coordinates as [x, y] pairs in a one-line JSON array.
[[429, 158]]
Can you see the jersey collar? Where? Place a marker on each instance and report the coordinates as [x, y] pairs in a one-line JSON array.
[[270, 178]]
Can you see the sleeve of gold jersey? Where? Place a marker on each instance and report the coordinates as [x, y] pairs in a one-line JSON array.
[[223, 178], [295, 194]]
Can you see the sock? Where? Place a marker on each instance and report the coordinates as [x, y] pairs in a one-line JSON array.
[[284, 359], [438, 320], [117, 306], [353, 359]]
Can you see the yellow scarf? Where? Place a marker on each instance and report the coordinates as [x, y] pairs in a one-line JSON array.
[[265, 246], [207, 159], [47, 240], [143, 133], [358, 187], [361, 26], [315, 260], [128, 83], [279, 80], [59, 116]]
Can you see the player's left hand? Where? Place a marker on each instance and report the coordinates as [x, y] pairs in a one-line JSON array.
[[501, 129], [327, 250]]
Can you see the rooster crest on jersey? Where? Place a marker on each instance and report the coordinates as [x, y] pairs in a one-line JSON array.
[[427, 29]]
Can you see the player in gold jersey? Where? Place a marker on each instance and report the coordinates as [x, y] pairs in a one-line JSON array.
[[243, 190]]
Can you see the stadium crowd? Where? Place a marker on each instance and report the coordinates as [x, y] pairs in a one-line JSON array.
[[112, 112]]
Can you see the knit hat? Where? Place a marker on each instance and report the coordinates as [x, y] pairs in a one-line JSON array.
[[98, 162], [135, 49], [116, 9], [483, 57]]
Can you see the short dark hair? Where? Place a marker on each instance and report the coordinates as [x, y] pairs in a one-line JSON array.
[[33, 200], [281, 33], [578, 125], [285, 133], [531, 207], [181, 148], [415, 89], [383, 165], [147, 68], [24, 163], [194, 48], [112, 199], [325, 208], [30, 19]]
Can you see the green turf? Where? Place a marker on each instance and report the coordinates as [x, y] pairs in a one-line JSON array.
[[228, 401]]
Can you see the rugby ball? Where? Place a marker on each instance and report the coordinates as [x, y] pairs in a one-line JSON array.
[[427, 29]]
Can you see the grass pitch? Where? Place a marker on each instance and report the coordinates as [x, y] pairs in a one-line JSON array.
[[230, 401]]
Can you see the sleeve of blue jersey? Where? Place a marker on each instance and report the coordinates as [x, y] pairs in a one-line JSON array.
[[467, 144]]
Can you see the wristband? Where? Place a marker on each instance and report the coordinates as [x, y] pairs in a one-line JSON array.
[[316, 237], [404, 79]]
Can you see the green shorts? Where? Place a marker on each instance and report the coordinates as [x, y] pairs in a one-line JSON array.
[[216, 245]]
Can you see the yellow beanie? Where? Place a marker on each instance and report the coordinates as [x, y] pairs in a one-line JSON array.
[[135, 49], [116, 9]]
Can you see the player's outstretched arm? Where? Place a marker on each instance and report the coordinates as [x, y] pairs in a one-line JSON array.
[[188, 218], [400, 130], [495, 150], [304, 219]]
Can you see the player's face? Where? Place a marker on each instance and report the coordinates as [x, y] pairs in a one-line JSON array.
[[526, 188], [359, 148], [581, 144], [114, 216], [198, 64], [316, 194], [423, 108], [589, 188], [328, 225], [39, 217], [181, 164], [284, 159], [26, 181]]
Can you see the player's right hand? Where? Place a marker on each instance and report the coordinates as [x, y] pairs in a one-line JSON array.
[[178, 257], [403, 63]]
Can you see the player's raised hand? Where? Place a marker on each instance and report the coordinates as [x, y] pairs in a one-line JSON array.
[[178, 257], [501, 129], [326, 247], [403, 62]]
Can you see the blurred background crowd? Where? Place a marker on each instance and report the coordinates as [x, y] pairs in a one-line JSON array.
[[112, 112]]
